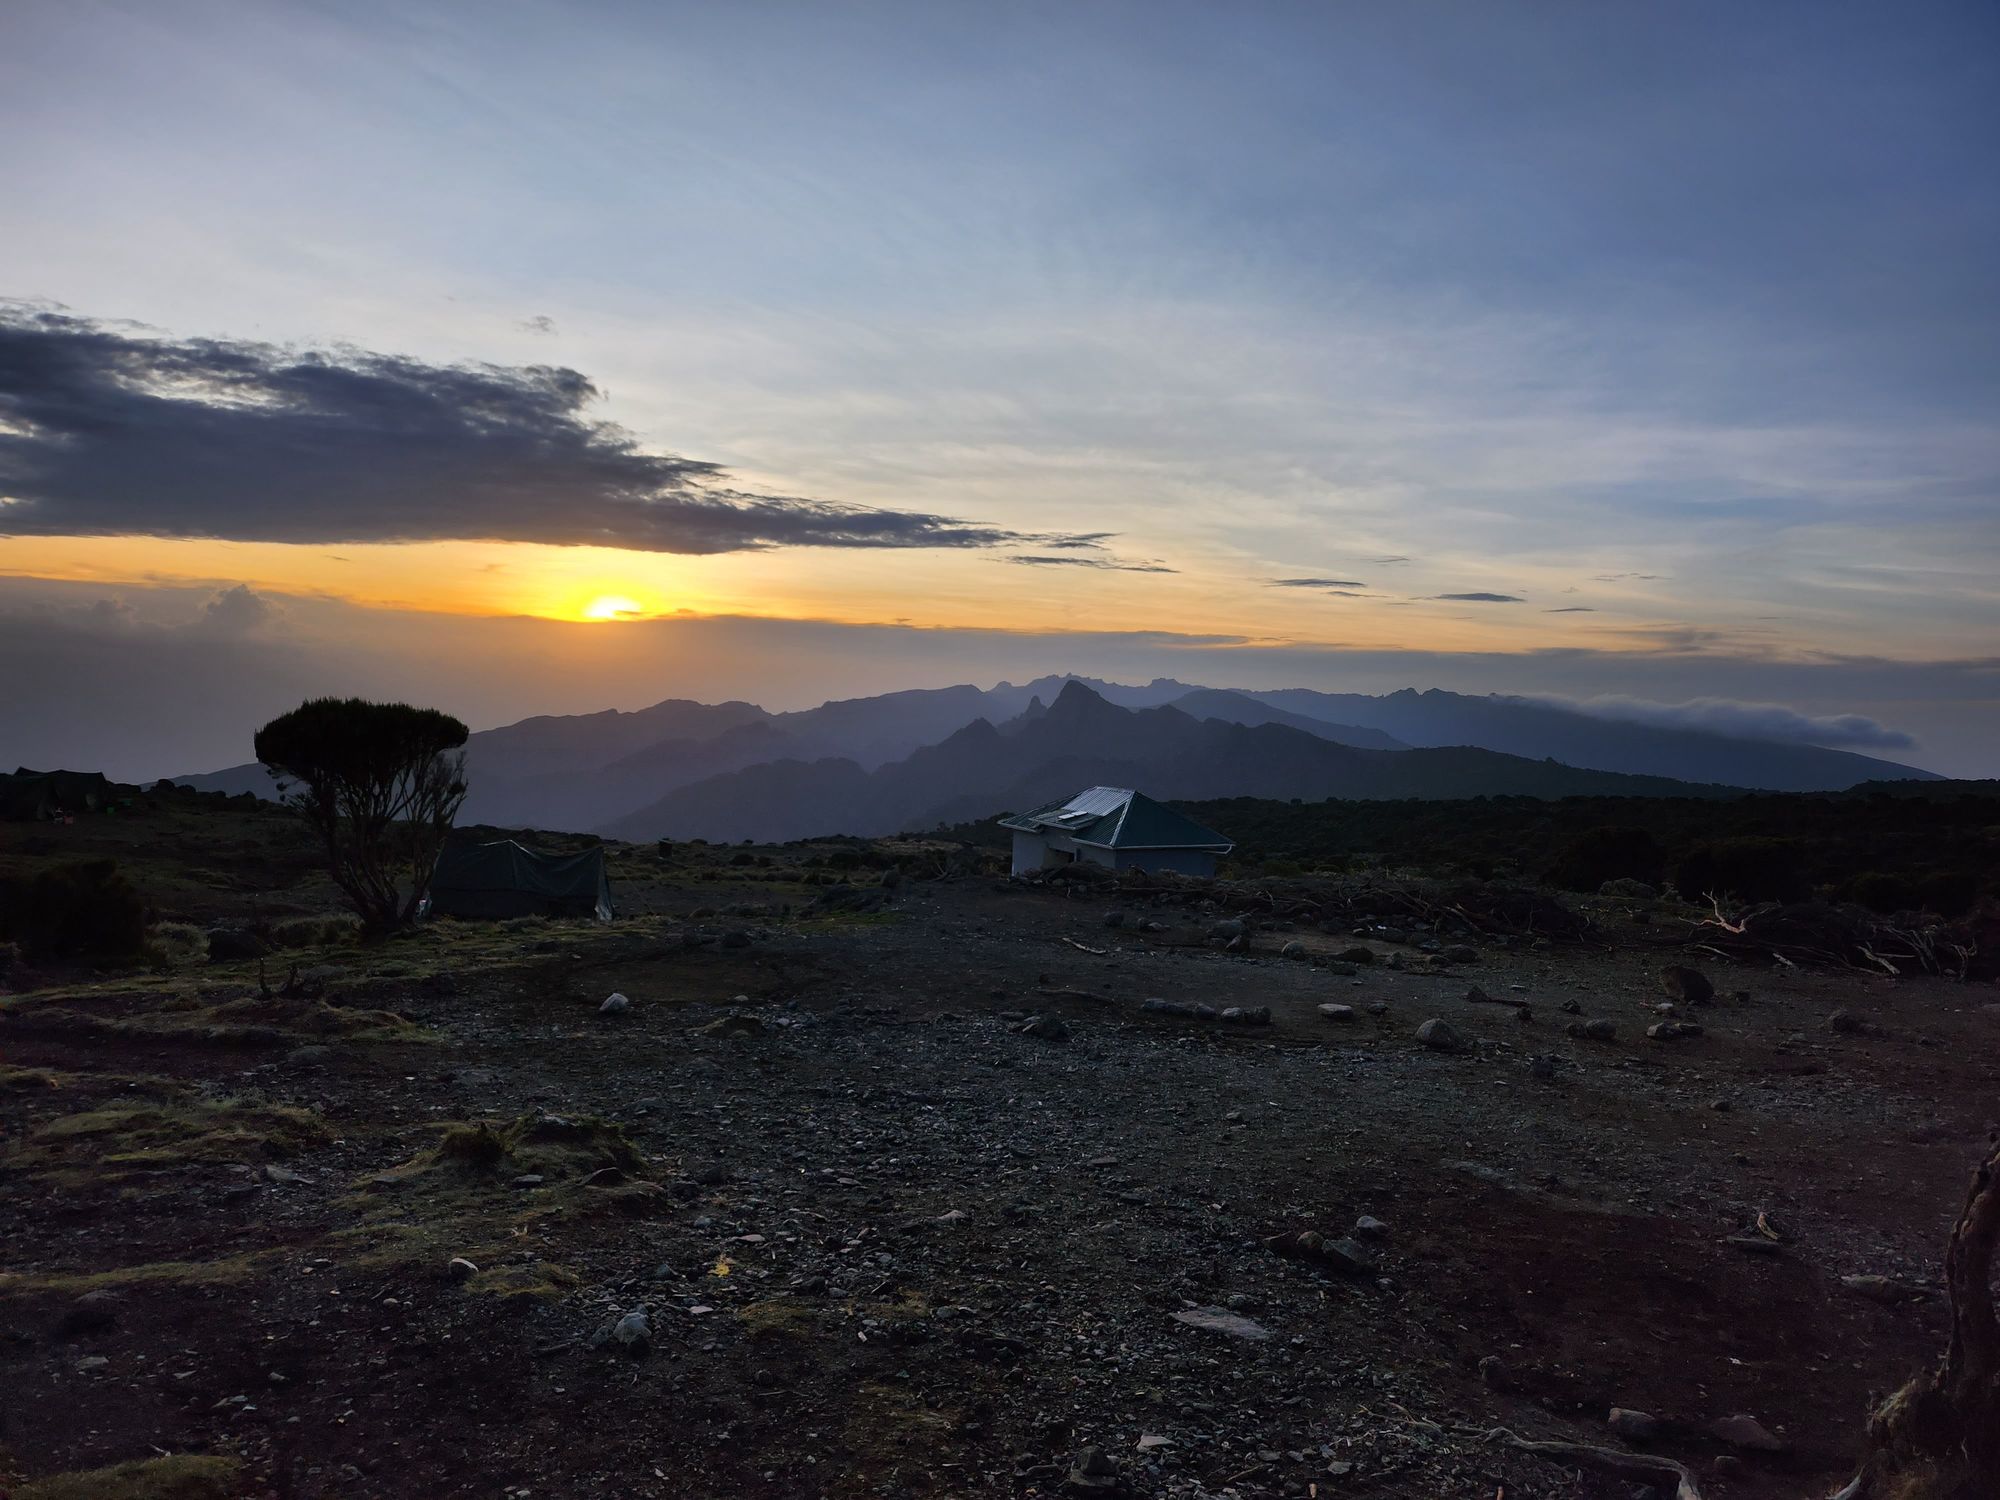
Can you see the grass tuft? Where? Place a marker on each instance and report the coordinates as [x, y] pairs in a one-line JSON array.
[[178, 1476]]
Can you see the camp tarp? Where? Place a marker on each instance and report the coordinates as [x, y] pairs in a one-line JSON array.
[[27, 796], [506, 879]]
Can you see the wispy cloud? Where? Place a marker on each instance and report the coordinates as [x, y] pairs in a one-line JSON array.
[[1110, 565], [108, 430], [1483, 598], [1571, 609], [1316, 583]]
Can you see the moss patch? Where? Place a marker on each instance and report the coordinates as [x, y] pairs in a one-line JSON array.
[[107, 1142], [778, 1318], [225, 1272], [178, 1476], [555, 1147]]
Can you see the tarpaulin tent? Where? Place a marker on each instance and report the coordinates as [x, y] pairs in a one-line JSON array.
[[28, 795], [506, 879]]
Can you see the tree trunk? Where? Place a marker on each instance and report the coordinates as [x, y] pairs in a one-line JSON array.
[[1939, 1437]]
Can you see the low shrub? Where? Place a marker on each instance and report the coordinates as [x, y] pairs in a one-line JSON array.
[[317, 932], [1748, 869], [86, 909], [178, 942], [1608, 853]]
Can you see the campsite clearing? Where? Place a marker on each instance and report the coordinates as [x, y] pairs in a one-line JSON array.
[[381, 1236]]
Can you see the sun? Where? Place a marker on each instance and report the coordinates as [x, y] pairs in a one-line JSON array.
[[613, 607]]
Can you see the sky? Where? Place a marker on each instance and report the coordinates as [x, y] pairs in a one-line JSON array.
[[530, 358]]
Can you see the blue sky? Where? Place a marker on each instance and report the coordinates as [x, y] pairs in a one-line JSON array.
[[1676, 324]]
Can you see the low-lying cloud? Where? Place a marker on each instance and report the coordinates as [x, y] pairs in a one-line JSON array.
[[1748, 721], [107, 430], [1483, 598], [1316, 583]]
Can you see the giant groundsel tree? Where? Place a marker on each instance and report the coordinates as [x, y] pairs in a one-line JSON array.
[[380, 784]]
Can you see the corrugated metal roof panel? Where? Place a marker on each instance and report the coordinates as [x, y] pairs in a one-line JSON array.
[[1113, 817]]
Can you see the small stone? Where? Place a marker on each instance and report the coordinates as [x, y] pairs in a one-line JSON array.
[[1493, 1372], [1747, 1433], [1048, 1028], [1368, 1228], [634, 1332], [735, 938], [1348, 1256], [1149, 1441], [1542, 1069], [1597, 1030], [1672, 1031], [1846, 1021], [1720, 1106], [1878, 1289], [1356, 955], [458, 1268], [1114, 919], [1216, 1320], [90, 1363], [1459, 953], [1293, 949], [1094, 1473], [281, 1175], [1441, 1036], [1337, 967], [1341, 1013], [614, 1004], [1227, 928], [1633, 1426]]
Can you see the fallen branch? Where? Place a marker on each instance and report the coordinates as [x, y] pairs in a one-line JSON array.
[[1640, 1466], [1477, 996]]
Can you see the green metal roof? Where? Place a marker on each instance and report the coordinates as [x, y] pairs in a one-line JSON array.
[[1111, 817]]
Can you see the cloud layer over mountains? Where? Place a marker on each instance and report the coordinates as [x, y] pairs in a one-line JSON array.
[[1773, 722]]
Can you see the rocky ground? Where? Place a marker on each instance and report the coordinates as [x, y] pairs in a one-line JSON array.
[[910, 1191]]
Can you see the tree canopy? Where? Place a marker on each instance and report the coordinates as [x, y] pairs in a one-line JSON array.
[[380, 783]]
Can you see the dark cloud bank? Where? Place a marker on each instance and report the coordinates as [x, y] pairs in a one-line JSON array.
[[106, 430]]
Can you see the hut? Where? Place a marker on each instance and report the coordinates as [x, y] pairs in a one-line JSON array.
[[1115, 827]]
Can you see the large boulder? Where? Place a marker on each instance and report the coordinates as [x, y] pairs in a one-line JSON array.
[[1688, 985]]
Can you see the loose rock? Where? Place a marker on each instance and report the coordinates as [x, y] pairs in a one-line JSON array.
[[1747, 1433], [1683, 983], [1441, 1036], [1633, 1426]]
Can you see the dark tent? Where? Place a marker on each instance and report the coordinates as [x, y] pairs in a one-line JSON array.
[[506, 879], [27, 796]]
